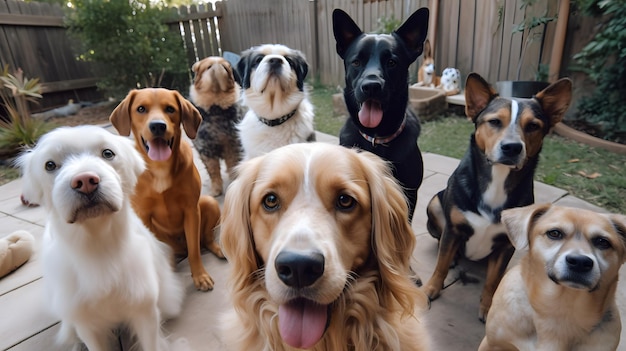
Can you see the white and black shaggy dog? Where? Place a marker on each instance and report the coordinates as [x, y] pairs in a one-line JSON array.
[[102, 268], [279, 113]]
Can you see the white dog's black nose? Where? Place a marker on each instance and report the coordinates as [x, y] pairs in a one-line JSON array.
[[579, 263], [85, 182], [299, 270]]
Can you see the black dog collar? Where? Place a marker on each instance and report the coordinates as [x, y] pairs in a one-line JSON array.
[[384, 140], [278, 121]]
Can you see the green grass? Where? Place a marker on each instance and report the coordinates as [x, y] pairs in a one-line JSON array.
[[562, 164]]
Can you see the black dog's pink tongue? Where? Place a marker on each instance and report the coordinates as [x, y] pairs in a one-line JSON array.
[[302, 323], [371, 114], [158, 150]]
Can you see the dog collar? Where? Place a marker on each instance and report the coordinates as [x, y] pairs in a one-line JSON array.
[[384, 140], [278, 121]]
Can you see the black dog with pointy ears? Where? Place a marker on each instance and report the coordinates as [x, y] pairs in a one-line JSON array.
[[376, 94]]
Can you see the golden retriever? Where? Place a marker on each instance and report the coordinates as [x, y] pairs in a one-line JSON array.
[[167, 197], [319, 242], [562, 294], [102, 268]]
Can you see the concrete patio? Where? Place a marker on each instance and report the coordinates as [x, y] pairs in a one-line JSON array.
[[452, 319]]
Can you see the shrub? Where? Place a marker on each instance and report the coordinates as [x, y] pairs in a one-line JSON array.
[[17, 128], [130, 44], [604, 60]]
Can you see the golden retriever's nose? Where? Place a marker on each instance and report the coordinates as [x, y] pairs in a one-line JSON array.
[[299, 270], [158, 128], [85, 182]]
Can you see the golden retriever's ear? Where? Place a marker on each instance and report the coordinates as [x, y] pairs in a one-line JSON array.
[[393, 237], [236, 231], [120, 117], [190, 116], [519, 220]]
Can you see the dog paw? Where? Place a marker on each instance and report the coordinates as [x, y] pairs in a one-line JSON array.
[[431, 291], [25, 202], [215, 192], [203, 282], [216, 250]]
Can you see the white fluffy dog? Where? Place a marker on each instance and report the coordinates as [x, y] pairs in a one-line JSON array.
[[280, 113], [102, 268]]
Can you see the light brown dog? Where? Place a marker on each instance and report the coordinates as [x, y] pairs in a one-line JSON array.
[[561, 296], [167, 196], [320, 254]]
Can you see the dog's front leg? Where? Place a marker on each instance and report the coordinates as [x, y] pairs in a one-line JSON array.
[[201, 278], [497, 262], [94, 338], [448, 246], [148, 329]]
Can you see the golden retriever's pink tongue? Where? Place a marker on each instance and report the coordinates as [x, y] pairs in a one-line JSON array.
[[370, 114], [302, 323], [158, 150]]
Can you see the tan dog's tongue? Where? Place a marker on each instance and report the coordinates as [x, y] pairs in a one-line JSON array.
[[302, 323], [158, 150], [371, 114]]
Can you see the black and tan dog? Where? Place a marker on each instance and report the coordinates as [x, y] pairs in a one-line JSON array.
[[376, 94], [495, 174], [561, 296], [215, 94]]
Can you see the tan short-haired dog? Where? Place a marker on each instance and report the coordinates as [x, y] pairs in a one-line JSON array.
[[167, 196], [561, 296]]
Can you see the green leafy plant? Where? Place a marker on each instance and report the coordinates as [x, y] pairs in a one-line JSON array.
[[130, 44], [533, 29], [386, 25], [604, 61], [17, 128]]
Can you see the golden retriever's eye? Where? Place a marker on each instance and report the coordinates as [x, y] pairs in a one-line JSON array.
[[141, 109], [554, 234], [50, 166], [601, 243], [108, 154], [170, 109], [271, 202], [345, 202]]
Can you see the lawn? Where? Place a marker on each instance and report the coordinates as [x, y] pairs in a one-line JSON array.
[[594, 175]]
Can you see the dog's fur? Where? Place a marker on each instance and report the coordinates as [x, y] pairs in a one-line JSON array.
[[279, 111], [216, 94], [376, 95], [312, 240], [102, 268], [426, 74], [495, 174], [167, 197], [561, 296]]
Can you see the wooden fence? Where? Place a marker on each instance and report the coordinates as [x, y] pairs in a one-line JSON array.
[[472, 35], [33, 38]]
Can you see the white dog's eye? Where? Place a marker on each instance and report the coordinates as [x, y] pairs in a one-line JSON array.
[[345, 202], [601, 243], [50, 166], [108, 154], [554, 234], [271, 202]]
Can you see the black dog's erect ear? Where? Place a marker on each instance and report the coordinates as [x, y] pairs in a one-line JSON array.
[[413, 32], [345, 31]]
